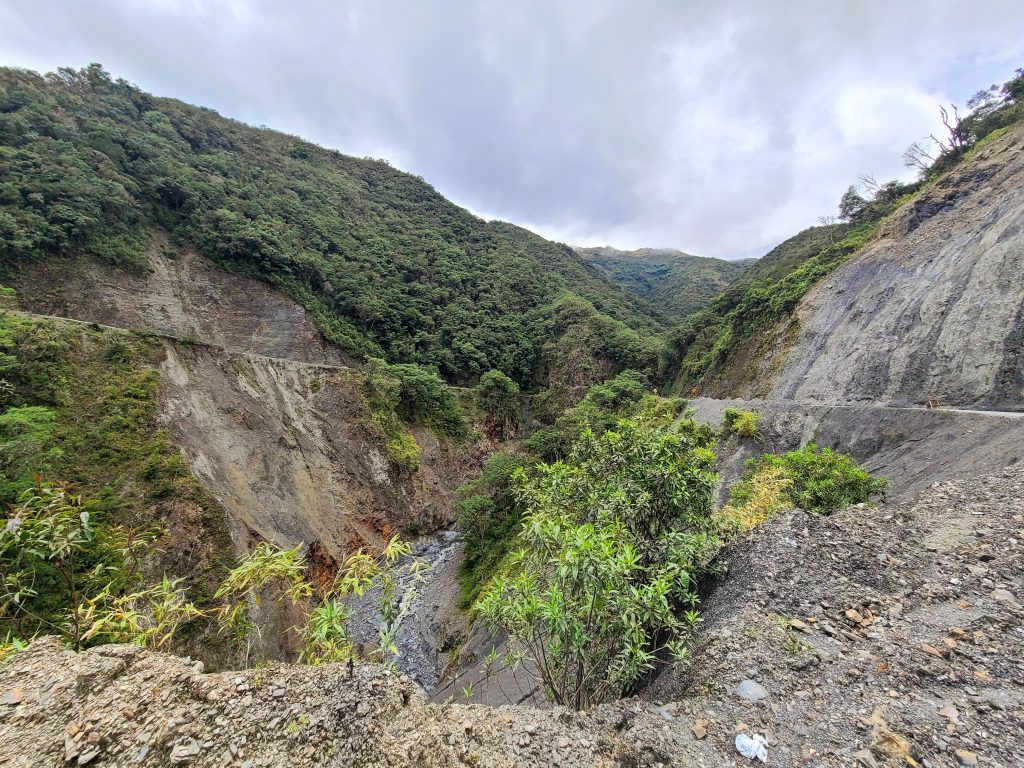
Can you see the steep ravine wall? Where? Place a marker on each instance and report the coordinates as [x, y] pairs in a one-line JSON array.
[[182, 295], [932, 309], [265, 409], [287, 449]]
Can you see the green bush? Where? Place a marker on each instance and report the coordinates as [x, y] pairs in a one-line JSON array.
[[27, 447], [424, 398], [603, 404], [740, 422], [604, 584], [56, 555], [489, 517], [823, 480]]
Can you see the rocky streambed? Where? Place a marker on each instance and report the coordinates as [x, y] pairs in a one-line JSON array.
[[430, 623]]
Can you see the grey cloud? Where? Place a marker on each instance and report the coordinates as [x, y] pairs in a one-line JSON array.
[[718, 128]]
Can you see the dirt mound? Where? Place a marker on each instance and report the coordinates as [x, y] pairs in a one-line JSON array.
[[870, 637]]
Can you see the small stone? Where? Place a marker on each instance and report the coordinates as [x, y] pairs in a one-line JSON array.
[[965, 757], [185, 751], [700, 728], [531, 728], [854, 616], [1003, 595], [799, 625], [71, 748], [89, 755], [749, 690], [141, 755], [277, 693], [13, 697], [865, 758], [363, 708], [951, 713], [932, 651]]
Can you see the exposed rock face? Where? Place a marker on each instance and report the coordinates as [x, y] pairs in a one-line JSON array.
[[265, 410], [182, 295], [286, 448], [874, 635], [269, 417], [933, 309]]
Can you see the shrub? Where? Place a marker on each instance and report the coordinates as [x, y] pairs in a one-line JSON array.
[[266, 571], [612, 542], [823, 480], [423, 397], [27, 447], [742, 423], [280, 575], [149, 617], [382, 394], [403, 450], [489, 516], [626, 394], [56, 559], [768, 493]]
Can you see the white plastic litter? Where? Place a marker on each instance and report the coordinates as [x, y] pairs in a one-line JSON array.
[[754, 747]]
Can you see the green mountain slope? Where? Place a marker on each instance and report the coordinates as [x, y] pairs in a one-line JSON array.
[[93, 167], [699, 348], [677, 283]]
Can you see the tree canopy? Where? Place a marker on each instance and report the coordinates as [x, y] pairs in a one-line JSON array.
[[91, 166]]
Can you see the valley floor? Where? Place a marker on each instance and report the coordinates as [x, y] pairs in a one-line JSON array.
[[887, 635]]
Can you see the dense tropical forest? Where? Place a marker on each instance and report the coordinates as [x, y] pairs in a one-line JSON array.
[[675, 283], [92, 166]]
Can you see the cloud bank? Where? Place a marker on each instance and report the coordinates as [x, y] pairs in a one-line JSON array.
[[717, 128]]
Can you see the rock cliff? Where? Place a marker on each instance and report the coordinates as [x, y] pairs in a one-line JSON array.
[[932, 309]]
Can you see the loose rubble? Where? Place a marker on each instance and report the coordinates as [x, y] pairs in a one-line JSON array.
[[875, 637]]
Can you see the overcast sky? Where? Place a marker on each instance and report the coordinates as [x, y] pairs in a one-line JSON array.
[[719, 128]]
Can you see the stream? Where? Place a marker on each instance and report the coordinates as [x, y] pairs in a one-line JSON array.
[[430, 623]]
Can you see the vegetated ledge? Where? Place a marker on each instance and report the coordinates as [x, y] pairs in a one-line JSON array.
[[889, 624]]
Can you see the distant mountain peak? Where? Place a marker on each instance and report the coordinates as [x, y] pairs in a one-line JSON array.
[[677, 283]]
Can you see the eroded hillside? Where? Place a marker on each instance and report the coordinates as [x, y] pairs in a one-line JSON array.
[[931, 309]]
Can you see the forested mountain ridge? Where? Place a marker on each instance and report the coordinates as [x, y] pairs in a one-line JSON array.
[[675, 283], [94, 167]]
